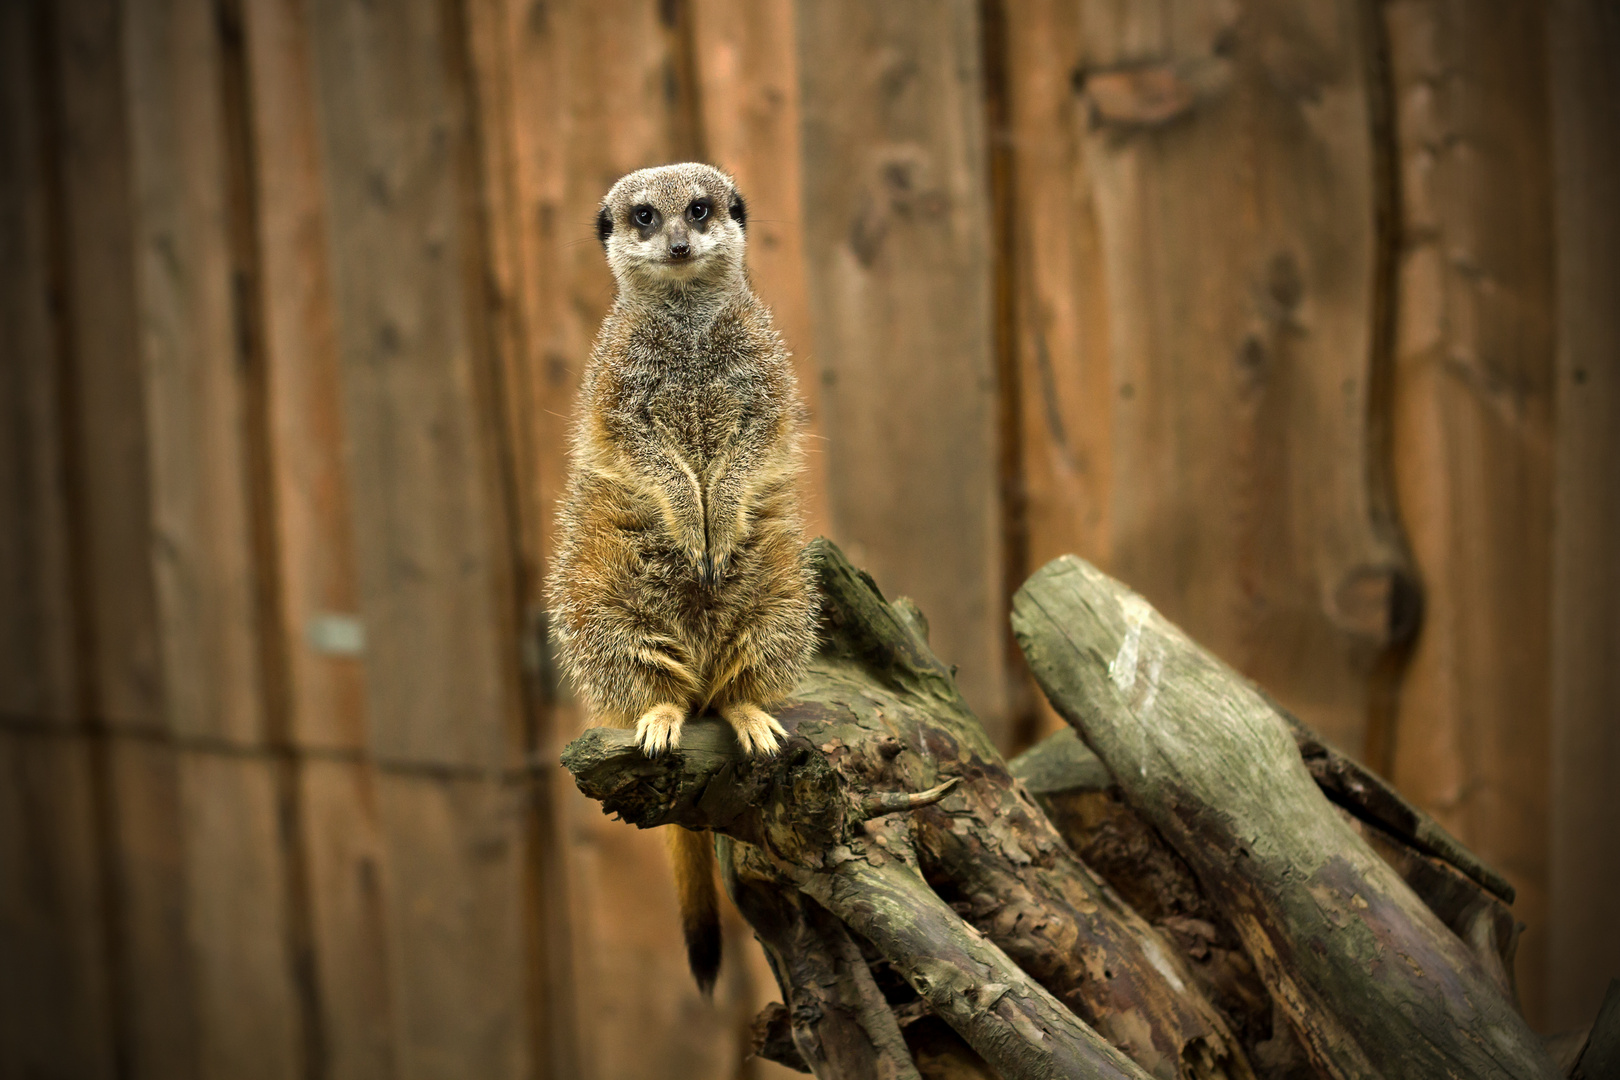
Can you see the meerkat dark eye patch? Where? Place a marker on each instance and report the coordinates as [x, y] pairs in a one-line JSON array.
[[646, 218], [604, 225], [738, 210], [700, 211]]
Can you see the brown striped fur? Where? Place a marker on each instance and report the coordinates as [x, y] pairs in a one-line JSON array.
[[679, 582]]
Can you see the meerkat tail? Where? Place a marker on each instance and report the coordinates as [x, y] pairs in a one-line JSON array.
[[692, 855]]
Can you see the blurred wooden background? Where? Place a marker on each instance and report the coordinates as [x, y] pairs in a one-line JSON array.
[[1302, 318]]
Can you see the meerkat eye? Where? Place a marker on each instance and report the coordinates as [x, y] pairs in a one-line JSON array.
[[644, 216], [699, 210]]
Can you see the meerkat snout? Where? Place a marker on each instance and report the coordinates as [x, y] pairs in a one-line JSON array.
[[680, 246]]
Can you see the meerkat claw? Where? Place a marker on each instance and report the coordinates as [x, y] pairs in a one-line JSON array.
[[757, 730], [659, 729]]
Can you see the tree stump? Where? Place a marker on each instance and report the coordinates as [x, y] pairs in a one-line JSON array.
[[1182, 901]]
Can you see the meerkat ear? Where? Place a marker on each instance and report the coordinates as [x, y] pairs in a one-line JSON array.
[[604, 225], [738, 211]]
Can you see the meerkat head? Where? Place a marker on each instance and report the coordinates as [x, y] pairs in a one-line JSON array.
[[673, 229]]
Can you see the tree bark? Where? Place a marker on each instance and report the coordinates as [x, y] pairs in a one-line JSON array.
[[1077, 793], [878, 713], [901, 878], [799, 826], [1370, 980]]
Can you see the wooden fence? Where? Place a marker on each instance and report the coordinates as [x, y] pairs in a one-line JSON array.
[[1304, 319]]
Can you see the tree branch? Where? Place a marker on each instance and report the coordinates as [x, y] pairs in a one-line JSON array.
[[1367, 976]]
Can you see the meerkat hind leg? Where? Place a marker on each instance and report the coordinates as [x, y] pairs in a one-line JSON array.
[[659, 728], [757, 730]]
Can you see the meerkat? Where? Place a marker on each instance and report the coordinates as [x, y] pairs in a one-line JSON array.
[[679, 582]]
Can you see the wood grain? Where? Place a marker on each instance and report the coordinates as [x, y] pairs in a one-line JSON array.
[[454, 874], [1583, 938], [236, 918], [500, 188], [1063, 313], [427, 520], [107, 441], [36, 630], [56, 970], [898, 262], [1368, 978], [353, 921], [156, 982], [55, 980], [1198, 342], [313, 516], [1473, 434], [747, 66], [202, 560]]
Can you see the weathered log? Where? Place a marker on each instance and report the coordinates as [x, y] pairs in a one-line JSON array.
[[878, 714], [1479, 919], [1075, 789], [1600, 1057], [1374, 800], [1371, 981], [841, 1024], [1077, 794], [798, 823], [1062, 762], [987, 849], [771, 1037]]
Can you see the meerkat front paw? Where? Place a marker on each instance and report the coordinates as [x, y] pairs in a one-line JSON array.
[[659, 728], [757, 730]]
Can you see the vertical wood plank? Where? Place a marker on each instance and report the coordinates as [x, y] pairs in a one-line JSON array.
[[1473, 437], [428, 526], [454, 866], [1062, 319], [118, 637], [54, 977], [314, 528], [418, 371], [314, 547], [745, 58], [1583, 939], [352, 921], [157, 981], [1200, 354], [505, 117], [56, 998], [1061, 308], [107, 441], [36, 628], [193, 373], [899, 267], [236, 919]]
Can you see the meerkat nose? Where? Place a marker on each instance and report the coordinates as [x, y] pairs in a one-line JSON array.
[[680, 249]]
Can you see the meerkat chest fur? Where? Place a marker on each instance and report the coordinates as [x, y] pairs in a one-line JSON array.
[[699, 385]]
